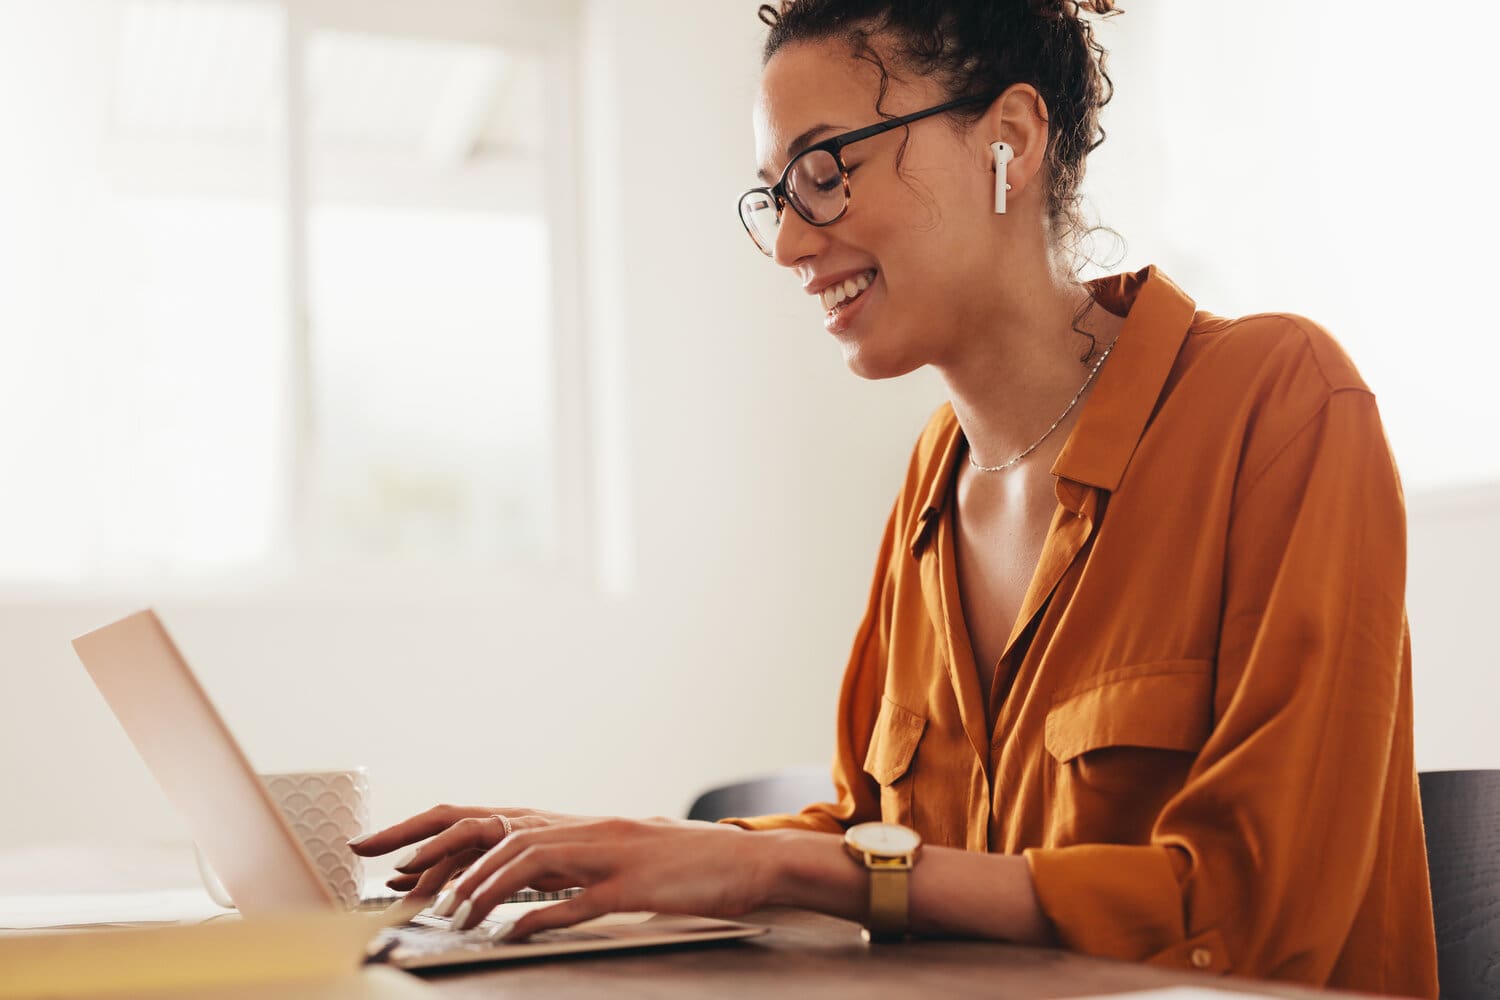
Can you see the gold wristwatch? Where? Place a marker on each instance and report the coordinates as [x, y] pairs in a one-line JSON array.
[[887, 851]]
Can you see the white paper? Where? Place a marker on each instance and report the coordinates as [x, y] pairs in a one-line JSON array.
[[170, 906]]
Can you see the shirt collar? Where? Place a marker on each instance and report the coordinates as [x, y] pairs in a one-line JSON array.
[[1158, 315]]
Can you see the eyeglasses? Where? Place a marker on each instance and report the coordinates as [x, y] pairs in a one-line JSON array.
[[816, 182]]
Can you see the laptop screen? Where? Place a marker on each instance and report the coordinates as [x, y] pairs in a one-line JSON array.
[[200, 767]]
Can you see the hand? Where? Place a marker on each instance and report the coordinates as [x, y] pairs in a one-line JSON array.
[[459, 836], [670, 866]]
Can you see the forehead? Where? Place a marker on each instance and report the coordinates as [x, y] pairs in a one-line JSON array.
[[807, 84]]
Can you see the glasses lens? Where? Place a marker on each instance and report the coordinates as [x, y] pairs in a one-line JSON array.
[[816, 186], [758, 211]]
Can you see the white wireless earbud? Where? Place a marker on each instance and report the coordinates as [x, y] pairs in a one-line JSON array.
[[1003, 155]]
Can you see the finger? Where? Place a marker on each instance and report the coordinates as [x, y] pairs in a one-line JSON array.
[[404, 883], [431, 881], [585, 906], [472, 833], [520, 841], [543, 862], [419, 827], [506, 850], [496, 857]]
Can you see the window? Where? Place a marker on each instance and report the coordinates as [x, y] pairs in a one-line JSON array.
[[288, 287]]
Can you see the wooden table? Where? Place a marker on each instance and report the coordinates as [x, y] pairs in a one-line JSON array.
[[805, 955]]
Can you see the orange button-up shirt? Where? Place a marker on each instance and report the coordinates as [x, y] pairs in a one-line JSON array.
[[1204, 747]]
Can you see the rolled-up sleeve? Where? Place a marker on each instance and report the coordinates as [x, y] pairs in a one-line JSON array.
[[1259, 864]]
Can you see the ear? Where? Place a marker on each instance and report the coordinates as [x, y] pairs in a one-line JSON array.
[[1017, 117]]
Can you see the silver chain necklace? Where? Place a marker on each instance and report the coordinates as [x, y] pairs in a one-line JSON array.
[[1095, 371]]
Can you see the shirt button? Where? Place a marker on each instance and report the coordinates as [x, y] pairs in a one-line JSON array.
[[1202, 958]]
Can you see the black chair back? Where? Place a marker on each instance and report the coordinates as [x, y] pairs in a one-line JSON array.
[[1461, 813], [785, 791]]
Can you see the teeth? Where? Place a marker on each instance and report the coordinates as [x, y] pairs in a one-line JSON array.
[[836, 295]]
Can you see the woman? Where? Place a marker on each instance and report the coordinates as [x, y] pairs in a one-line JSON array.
[[1135, 666]]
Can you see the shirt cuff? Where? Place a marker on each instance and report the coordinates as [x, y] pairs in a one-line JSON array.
[[1122, 902], [820, 822]]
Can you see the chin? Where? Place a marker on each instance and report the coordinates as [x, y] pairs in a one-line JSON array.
[[869, 362]]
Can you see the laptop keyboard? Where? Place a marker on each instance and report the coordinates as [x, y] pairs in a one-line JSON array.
[[380, 902], [429, 935]]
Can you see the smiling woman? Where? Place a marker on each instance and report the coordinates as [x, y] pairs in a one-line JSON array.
[[1134, 678]]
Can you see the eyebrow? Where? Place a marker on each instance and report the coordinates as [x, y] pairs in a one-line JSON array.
[[796, 146]]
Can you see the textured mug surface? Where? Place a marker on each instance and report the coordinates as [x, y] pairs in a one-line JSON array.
[[326, 809]]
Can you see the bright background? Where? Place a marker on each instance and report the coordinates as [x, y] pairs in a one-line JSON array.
[[508, 468]]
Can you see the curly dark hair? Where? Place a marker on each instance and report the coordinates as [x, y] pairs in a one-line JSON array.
[[977, 49]]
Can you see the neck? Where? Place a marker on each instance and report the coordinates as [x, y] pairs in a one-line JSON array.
[[1009, 387]]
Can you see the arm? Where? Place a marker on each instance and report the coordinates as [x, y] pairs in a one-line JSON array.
[[674, 866], [954, 893]]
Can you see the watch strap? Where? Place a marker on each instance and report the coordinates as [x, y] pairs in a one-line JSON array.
[[889, 891]]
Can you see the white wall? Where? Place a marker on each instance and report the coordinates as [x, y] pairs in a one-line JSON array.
[[1452, 554], [752, 477]]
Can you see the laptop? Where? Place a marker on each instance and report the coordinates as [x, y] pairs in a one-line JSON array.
[[257, 856]]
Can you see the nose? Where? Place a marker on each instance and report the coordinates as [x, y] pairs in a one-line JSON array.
[[796, 238]]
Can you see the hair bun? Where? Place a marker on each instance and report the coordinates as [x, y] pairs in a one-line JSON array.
[[769, 15]]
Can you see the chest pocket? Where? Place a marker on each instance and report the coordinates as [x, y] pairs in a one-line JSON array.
[[892, 746], [1122, 747], [1163, 705]]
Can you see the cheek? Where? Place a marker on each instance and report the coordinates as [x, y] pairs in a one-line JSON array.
[[921, 276], [914, 236], [930, 253]]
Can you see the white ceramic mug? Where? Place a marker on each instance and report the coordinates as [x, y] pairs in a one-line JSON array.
[[326, 809]]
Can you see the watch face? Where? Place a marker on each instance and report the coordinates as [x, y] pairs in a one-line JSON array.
[[883, 838]]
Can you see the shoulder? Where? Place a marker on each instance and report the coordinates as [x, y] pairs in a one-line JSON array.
[[1261, 377], [1257, 383], [1266, 365], [1271, 348]]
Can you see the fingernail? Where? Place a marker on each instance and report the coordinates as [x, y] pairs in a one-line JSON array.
[[406, 858], [500, 930], [446, 900], [463, 915], [358, 840]]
